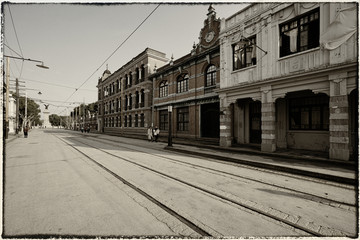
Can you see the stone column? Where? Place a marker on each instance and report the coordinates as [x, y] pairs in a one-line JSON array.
[[339, 118], [226, 113], [268, 124]]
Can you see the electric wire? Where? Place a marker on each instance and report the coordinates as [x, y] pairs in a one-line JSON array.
[[17, 39], [113, 52]]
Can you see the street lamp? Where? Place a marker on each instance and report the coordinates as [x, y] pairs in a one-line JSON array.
[[17, 91], [31, 60]]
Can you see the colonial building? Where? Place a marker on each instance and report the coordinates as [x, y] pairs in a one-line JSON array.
[[289, 74], [185, 88], [125, 96]]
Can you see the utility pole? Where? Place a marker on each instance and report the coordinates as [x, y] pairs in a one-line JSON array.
[[17, 106], [25, 109], [7, 97]]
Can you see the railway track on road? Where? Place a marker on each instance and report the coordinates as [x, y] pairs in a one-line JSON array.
[[195, 227]]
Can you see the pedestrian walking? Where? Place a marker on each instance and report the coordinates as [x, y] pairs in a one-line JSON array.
[[156, 133], [150, 134], [26, 130]]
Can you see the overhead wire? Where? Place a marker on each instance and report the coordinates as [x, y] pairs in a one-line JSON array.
[[17, 39], [114, 51], [57, 85]]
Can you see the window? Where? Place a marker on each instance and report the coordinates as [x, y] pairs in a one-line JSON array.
[[163, 119], [142, 73], [142, 98], [137, 75], [183, 83], [137, 96], [244, 53], [311, 113], [125, 122], [183, 119], [142, 120], [130, 102], [130, 121], [300, 34], [136, 120], [163, 89], [210, 76]]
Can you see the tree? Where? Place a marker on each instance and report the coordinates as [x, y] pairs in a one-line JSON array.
[[33, 111], [54, 120]]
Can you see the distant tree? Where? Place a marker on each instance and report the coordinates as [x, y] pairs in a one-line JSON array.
[[33, 112], [54, 120]]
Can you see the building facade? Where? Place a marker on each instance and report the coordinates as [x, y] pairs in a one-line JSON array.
[[125, 96], [185, 88], [289, 74]]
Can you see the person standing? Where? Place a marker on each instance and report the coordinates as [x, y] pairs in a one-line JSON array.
[[150, 134], [156, 133]]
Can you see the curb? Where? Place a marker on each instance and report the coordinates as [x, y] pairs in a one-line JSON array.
[[323, 176]]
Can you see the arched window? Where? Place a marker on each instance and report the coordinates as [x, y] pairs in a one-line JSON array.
[[183, 83], [210, 76], [163, 89], [137, 76]]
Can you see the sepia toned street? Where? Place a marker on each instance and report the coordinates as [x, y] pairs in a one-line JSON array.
[[65, 183]]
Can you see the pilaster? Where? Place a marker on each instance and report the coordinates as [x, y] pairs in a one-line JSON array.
[[339, 118], [226, 113], [268, 124]]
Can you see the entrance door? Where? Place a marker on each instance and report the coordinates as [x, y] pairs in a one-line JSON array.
[[255, 122], [210, 122]]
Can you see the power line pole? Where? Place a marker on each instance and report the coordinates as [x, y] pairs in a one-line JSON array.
[[17, 106], [7, 97]]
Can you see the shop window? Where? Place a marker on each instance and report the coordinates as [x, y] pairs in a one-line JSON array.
[[210, 76], [163, 89], [163, 120], [183, 119], [183, 83], [311, 113], [244, 53], [300, 34]]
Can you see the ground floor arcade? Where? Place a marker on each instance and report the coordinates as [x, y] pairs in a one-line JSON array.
[[313, 112]]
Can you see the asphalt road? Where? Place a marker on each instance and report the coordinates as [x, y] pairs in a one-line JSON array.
[[62, 183]]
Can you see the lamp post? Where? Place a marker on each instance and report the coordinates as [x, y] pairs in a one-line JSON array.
[[17, 87], [170, 126]]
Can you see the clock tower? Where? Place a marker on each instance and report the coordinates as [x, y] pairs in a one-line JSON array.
[[209, 34]]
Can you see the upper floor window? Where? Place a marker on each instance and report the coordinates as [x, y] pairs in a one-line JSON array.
[[300, 34], [210, 76], [142, 73], [163, 89], [244, 53], [183, 83]]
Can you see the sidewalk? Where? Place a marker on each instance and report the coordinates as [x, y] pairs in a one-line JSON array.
[[335, 171], [296, 162]]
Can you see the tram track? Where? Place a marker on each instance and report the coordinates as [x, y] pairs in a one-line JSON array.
[[207, 191], [308, 196]]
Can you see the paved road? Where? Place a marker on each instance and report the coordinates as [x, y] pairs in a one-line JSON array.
[[52, 188]]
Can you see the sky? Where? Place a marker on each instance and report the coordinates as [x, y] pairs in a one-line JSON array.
[[76, 40]]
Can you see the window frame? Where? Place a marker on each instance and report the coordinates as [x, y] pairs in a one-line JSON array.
[[182, 119], [247, 45], [163, 89], [300, 25], [164, 120], [182, 83], [302, 111], [210, 76]]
